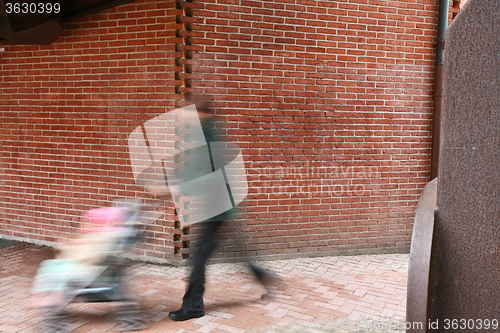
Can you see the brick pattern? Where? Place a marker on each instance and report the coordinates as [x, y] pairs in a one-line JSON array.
[[66, 110], [316, 291], [457, 5], [330, 102]]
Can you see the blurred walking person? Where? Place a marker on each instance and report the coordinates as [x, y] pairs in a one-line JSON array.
[[212, 205]]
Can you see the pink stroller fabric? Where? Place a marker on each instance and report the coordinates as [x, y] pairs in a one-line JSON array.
[[104, 219], [98, 238]]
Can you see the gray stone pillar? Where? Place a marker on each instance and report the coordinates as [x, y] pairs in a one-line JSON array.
[[464, 283]]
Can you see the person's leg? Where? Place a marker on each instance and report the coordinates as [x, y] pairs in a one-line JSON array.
[[269, 279], [192, 302], [266, 277], [259, 273]]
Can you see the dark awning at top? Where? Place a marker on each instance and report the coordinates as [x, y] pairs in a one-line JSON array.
[[34, 22]]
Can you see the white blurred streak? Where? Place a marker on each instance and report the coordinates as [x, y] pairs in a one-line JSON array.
[[138, 151], [228, 156], [237, 178], [207, 196], [174, 150]]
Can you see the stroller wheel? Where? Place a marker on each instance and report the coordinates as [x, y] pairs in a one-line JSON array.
[[131, 325], [129, 318], [56, 323]]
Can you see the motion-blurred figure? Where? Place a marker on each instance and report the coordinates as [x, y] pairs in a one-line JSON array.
[[212, 181]]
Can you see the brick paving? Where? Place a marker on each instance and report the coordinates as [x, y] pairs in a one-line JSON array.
[[364, 293]]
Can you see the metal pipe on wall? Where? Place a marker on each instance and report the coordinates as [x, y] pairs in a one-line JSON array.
[[438, 85]]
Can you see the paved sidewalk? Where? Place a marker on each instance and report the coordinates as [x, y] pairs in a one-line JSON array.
[[320, 294]]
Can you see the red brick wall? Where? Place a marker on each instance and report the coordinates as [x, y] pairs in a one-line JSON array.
[[329, 100], [66, 110], [457, 6]]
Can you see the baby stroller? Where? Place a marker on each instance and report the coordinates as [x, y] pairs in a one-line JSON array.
[[90, 268]]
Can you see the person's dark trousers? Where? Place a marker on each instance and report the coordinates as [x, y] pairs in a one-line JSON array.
[[193, 298]]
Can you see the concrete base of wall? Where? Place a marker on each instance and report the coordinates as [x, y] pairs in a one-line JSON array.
[[159, 261]]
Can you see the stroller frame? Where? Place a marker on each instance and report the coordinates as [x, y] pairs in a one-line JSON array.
[[105, 282]]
